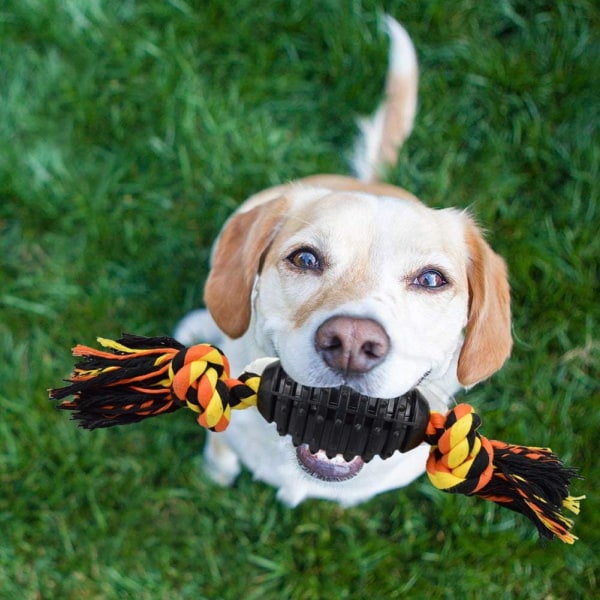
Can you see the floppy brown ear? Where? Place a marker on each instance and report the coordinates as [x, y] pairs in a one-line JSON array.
[[236, 261], [488, 339]]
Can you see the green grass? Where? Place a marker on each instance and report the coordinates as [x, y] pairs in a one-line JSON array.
[[130, 130]]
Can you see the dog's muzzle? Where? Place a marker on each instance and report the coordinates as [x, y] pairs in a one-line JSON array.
[[340, 422]]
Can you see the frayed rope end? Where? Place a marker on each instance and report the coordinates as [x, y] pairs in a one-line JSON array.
[[528, 480]]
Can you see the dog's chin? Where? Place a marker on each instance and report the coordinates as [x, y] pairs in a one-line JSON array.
[[335, 469]]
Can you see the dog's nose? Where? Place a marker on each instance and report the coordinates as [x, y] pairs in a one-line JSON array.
[[351, 344]]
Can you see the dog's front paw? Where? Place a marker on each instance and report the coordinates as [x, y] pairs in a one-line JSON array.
[[291, 495], [221, 464]]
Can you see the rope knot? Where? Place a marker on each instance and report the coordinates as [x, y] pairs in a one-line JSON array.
[[460, 460], [198, 375], [200, 378]]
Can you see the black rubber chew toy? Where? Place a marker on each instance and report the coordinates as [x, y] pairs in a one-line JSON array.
[[341, 420]]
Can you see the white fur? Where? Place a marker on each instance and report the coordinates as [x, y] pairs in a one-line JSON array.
[[402, 76]]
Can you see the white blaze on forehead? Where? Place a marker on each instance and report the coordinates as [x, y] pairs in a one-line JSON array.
[[371, 248], [392, 234]]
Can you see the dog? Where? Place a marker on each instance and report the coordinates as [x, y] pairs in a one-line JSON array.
[[351, 281]]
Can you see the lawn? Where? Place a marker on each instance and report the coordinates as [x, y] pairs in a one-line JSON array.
[[129, 130]]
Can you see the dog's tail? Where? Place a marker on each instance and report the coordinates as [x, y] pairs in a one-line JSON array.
[[382, 134]]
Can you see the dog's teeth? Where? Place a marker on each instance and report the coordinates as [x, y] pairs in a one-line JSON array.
[[319, 466]]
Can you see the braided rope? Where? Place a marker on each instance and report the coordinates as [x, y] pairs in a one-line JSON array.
[[528, 480], [145, 377], [199, 376], [460, 460]]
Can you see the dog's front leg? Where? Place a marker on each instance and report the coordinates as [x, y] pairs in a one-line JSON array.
[[221, 463]]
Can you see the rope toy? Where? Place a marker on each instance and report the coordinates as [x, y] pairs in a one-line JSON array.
[[138, 377]]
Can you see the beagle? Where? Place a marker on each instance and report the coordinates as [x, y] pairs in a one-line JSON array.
[[351, 281]]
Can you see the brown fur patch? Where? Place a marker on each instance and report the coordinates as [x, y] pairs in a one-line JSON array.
[[488, 339]]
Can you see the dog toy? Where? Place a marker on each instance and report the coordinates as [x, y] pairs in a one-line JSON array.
[[135, 378]]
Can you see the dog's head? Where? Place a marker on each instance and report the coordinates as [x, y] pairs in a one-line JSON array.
[[376, 292], [371, 290]]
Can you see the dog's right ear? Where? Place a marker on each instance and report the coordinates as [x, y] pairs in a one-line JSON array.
[[488, 339], [236, 261]]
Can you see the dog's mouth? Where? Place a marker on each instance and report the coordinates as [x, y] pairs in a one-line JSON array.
[[336, 431], [335, 469]]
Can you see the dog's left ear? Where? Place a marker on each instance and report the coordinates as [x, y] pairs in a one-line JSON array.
[[488, 339], [236, 260]]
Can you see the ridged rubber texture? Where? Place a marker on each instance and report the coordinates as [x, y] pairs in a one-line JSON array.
[[340, 420]]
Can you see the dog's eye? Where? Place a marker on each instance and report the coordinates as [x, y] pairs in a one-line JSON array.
[[305, 259], [430, 279]]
